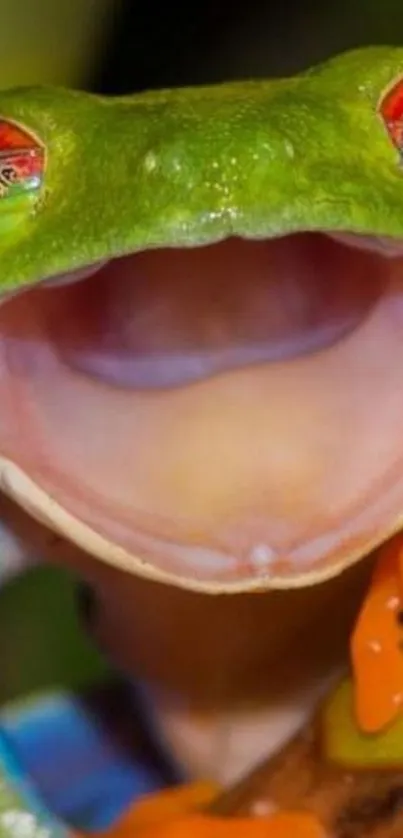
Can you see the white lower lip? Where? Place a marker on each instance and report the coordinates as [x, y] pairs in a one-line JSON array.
[[17, 485]]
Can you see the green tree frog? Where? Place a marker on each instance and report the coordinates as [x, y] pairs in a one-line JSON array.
[[201, 342]]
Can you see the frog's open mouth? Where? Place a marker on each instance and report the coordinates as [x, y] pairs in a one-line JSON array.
[[225, 413]]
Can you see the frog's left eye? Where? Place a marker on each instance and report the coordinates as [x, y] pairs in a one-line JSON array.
[[390, 109]]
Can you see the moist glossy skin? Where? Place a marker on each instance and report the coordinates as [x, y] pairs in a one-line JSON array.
[[192, 167], [187, 167]]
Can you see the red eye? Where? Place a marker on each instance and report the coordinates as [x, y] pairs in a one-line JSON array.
[[22, 160], [391, 111]]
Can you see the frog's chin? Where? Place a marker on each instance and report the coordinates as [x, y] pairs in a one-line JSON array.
[[223, 418]]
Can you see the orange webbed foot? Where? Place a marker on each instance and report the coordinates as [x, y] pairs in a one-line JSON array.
[[376, 644], [177, 813], [164, 806], [282, 825]]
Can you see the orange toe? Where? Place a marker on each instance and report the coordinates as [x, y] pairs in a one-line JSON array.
[[162, 807], [376, 644], [282, 825], [177, 813]]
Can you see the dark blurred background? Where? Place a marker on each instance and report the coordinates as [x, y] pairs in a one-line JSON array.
[[157, 43], [117, 46]]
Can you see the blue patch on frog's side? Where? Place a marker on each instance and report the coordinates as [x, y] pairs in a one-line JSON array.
[[82, 776]]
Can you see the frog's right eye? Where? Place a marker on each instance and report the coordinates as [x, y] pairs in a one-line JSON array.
[[390, 109]]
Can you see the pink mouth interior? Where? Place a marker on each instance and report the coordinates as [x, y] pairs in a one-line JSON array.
[[223, 412]]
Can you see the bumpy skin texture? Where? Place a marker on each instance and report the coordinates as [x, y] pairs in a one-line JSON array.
[[196, 165]]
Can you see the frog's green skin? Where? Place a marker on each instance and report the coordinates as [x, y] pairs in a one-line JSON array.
[[193, 166]]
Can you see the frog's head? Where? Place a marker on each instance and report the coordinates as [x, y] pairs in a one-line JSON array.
[[201, 330]]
